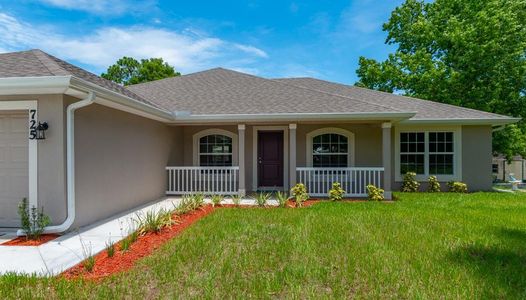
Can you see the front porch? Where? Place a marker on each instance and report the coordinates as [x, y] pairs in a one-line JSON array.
[[247, 158]]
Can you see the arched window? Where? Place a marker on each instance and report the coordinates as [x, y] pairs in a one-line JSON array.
[[330, 148], [215, 148]]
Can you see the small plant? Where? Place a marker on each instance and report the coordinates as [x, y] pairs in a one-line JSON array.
[[154, 221], [282, 198], [216, 199], [336, 192], [410, 184], [434, 185], [262, 198], [236, 199], [374, 193], [457, 187], [32, 220], [89, 260], [110, 248], [198, 200], [299, 192]]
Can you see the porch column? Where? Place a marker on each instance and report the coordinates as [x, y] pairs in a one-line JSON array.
[[386, 159], [292, 155], [241, 158]]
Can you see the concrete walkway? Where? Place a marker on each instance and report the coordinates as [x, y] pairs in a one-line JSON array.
[[54, 257]]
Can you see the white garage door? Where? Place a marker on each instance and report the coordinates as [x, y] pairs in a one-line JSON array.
[[14, 182]]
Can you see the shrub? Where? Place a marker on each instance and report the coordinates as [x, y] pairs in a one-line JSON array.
[[410, 184], [374, 193], [216, 199], [282, 198], [434, 185], [32, 220], [262, 198], [336, 192], [236, 199], [457, 187], [110, 248], [198, 200], [299, 192], [154, 221]]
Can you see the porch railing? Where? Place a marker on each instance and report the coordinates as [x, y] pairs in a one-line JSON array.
[[206, 180], [354, 181]]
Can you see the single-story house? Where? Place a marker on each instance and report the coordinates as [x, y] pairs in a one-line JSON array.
[[85, 148]]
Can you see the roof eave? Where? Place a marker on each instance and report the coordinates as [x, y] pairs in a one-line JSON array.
[[463, 121], [185, 118], [34, 85]]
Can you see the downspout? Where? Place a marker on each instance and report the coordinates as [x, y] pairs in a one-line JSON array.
[[70, 165]]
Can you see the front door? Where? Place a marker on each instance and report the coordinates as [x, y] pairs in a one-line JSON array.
[[270, 158]]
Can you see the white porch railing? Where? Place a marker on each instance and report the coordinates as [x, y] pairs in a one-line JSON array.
[[206, 180], [354, 181]]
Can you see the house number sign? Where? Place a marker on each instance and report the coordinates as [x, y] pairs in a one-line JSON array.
[[32, 124]]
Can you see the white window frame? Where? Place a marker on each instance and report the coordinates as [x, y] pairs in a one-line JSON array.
[[457, 151], [214, 131], [32, 146], [328, 130]]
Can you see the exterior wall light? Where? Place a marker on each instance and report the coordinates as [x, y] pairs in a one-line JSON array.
[[41, 130]]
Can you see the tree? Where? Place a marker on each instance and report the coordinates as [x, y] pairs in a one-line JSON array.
[[128, 70], [468, 53]]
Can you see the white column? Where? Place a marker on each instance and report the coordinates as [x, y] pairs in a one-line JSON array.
[[241, 158], [292, 154], [387, 159]]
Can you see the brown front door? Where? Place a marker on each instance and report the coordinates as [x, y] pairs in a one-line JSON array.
[[270, 158]]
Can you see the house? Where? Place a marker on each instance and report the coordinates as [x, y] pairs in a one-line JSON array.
[[109, 148], [502, 168]]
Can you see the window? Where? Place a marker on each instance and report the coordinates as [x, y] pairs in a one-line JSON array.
[[330, 150], [215, 150], [412, 152], [427, 153], [495, 168]]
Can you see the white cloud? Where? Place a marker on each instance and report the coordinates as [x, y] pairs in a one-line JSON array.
[[185, 50], [104, 7]]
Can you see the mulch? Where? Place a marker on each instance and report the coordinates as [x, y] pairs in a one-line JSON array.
[[23, 241]]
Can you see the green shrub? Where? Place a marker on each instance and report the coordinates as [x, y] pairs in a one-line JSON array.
[[282, 198], [299, 192], [434, 185], [32, 220], [154, 221], [336, 192], [262, 198], [457, 187], [216, 199], [110, 248], [374, 193], [198, 200], [410, 184], [236, 199]]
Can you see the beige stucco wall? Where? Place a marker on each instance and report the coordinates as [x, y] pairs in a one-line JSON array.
[[51, 155], [120, 161], [477, 157]]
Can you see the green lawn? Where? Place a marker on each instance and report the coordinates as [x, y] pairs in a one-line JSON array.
[[422, 246]]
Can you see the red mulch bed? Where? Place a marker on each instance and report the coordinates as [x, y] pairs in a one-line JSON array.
[[23, 241], [145, 245]]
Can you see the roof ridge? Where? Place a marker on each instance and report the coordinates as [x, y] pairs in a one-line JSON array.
[[332, 94], [51, 65]]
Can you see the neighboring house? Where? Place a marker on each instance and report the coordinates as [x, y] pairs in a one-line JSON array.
[[502, 168], [110, 148]]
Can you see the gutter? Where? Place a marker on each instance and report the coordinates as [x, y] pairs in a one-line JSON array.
[[70, 168]]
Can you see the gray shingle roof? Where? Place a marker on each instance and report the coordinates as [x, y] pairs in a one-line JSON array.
[[36, 63], [424, 109], [221, 91]]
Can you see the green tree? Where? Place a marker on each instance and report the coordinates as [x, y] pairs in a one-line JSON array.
[[128, 70], [468, 53]]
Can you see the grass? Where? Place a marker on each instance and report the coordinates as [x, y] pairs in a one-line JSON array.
[[422, 246]]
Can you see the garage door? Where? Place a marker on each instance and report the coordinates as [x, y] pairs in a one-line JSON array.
[[14, 182]]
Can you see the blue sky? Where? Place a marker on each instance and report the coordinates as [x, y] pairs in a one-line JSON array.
[[317, 38]]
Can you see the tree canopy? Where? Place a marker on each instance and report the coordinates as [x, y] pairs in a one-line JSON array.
[[128, 70], [468, 53]]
